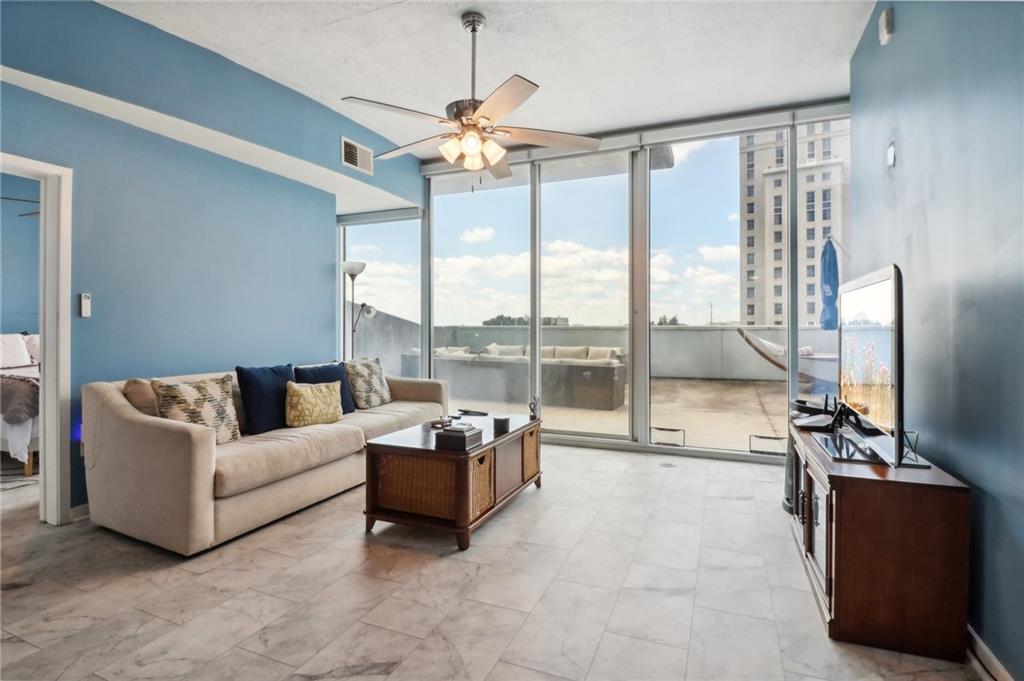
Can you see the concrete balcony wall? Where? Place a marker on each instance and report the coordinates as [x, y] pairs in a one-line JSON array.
[[709, 352]]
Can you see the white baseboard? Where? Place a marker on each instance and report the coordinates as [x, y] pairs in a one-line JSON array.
[[983, 660], [79, 512]]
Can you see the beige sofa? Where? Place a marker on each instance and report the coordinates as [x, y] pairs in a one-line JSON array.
[[168, 483]]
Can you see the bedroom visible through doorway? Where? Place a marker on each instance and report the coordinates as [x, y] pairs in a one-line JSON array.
[[20, 346]]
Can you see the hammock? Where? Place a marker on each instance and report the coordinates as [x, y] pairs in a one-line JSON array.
[[775, 354]]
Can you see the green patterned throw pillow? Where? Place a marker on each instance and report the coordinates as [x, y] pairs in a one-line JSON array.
[[310, 403], [369, 389], [205, 402]]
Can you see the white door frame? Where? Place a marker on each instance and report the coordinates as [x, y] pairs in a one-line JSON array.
[[55, 332]]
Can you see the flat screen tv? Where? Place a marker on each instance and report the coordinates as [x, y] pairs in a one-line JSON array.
[[871, 360]]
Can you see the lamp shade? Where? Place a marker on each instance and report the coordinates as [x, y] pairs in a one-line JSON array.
[[353, 267]]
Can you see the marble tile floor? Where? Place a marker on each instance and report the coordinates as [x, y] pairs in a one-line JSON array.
[[622, 566]]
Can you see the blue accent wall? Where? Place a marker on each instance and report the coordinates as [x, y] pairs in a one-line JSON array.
[[19, 256], [949, 90], [99, 49], [195, 262]]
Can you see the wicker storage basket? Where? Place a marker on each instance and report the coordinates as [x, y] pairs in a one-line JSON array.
[[414, 484], [531, 454], [481, 483]]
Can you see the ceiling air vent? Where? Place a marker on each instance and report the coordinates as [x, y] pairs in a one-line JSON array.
[[356, 156]]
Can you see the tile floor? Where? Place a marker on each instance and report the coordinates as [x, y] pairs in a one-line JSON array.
[[618, 568]]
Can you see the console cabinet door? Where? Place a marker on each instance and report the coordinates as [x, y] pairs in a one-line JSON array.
[[818, 520]]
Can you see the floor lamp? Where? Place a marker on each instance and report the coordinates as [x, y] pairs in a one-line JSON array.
[[353, 268]]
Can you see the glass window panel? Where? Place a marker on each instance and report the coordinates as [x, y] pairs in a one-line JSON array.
[[481, 274], [387, 293], [703, 373], [584, 218]]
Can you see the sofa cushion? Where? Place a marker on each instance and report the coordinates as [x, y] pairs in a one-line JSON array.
[[263, 394], [257, 460], [307, 404], [596, 352], [328, 373], [393, 416], [140, 393], [369, 388], [206, 402], [570, 352]]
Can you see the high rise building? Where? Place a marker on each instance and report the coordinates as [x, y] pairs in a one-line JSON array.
[[823, 162]]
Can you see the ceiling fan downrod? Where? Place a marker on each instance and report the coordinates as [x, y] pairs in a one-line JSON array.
[[473, 22]]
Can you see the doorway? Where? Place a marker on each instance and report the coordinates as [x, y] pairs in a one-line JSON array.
[[36, 338]]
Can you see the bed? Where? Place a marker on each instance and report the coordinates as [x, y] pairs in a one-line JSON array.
[[19, 396]]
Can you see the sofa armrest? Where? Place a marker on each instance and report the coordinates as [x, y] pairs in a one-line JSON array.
[[419, 390], [147, 477]]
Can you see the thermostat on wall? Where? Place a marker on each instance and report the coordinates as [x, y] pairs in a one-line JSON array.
[[85, 304]]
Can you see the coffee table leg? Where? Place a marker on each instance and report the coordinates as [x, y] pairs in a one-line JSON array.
[[463, 539], [369, 523]]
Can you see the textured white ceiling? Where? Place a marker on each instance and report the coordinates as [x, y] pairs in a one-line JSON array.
[[601, 65]]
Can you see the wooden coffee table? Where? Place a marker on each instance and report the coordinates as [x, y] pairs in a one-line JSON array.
[[410, 481]]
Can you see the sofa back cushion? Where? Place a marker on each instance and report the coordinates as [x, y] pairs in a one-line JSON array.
[[596, 352], [140, 393], [329, 373], [369, 387], [206, 402], [14, 351], [307, 404], [570, 352], [263, 394]]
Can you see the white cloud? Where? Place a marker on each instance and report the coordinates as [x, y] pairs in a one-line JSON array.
[[477, 235], [726, 253], [733, 217], [705, 277], [362, 249]]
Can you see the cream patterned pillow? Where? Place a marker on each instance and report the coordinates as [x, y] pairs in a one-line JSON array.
[[307, 404], [205, 402], [369, 389]]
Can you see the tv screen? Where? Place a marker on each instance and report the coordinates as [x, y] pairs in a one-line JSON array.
[[869, 356]]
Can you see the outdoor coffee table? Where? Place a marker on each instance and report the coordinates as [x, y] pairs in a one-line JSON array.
[[412, 482]]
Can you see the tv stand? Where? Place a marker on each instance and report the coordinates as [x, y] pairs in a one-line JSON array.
[[862, 529]]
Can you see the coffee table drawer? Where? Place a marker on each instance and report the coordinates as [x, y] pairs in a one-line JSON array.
[[481, 484], [416, 484]]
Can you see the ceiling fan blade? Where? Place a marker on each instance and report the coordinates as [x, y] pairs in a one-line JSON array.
[[401, 110], [508, 97], [499, 170], [548, 138], [421, 145]]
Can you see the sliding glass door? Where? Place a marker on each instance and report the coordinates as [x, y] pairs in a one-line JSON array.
[[584, 284], [481, 276], [718, 292], [386, 306]]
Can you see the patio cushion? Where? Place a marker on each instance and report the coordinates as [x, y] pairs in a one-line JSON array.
[[570, 352], [596, 352], [505, 350], [257, 460]]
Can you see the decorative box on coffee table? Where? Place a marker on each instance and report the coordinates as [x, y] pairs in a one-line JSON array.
[[409, 480]]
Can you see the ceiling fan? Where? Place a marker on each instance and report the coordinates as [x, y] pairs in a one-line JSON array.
[[476, 135]]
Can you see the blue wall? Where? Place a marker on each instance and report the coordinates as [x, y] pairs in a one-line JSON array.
[[949, 89], [96, 48], [19, 257]]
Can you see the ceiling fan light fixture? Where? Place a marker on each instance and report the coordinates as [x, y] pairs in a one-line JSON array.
[[471, 143], [473, 162], [493, 151], [451, 149]]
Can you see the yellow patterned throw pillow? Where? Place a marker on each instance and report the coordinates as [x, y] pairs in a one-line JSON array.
[[310, 403]]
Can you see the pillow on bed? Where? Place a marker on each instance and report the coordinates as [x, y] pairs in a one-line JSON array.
[[13, 351], [34, 351]]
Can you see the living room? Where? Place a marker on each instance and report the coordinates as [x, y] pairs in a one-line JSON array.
[[511, 340]]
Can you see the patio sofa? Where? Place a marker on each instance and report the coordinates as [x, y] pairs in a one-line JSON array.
[[167, 482], [585, 377]]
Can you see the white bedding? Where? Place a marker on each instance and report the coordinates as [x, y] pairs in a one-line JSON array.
[[19, 439]]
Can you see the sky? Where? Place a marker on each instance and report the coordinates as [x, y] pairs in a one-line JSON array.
[[482, 262]]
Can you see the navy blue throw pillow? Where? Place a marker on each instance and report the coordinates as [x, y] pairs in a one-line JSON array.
[[264, 390], [328, 373]]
